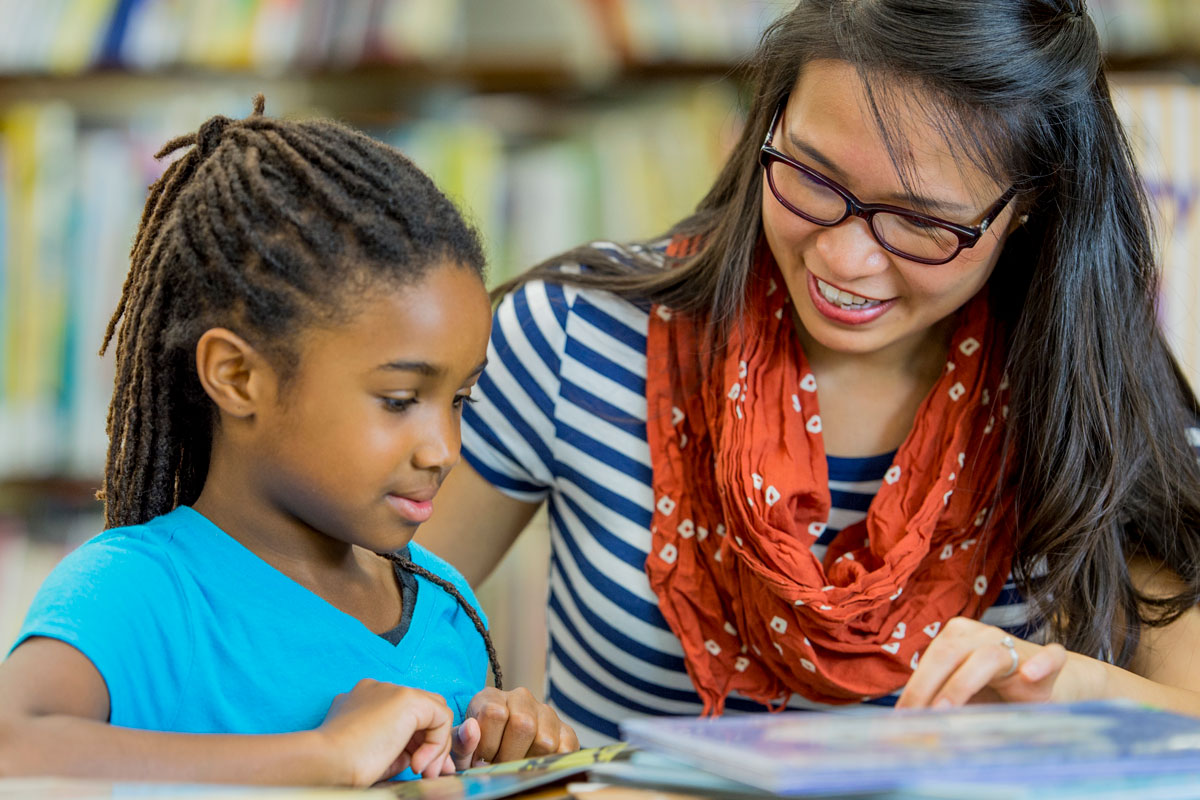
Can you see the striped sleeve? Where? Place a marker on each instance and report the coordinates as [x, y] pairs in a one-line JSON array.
[[509, 431]]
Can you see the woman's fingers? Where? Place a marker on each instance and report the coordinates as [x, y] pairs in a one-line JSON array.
[[982, 667], [1046, 662], [970, 662], [943, 656]]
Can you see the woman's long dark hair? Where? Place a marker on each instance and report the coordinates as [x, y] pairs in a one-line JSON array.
[[1104, 473]]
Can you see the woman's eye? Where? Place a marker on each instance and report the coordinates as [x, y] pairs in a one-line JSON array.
[[919, 224], [463, 399], [398, 404]]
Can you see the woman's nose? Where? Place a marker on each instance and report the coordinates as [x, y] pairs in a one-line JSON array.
[[850, 250]]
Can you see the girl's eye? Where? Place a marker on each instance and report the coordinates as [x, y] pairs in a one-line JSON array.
[[464, 399], [398, 404]]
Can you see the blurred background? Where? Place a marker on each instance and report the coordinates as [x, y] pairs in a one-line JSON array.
[[549, 121]]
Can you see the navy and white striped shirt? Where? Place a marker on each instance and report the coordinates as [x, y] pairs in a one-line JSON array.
[[561, 416]]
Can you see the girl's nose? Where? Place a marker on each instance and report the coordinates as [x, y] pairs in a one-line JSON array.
[[439, 446]]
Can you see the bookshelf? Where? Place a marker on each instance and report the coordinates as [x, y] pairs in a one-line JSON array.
[[550, 121], [544, 119]]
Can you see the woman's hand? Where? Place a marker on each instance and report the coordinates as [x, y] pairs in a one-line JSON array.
[[969, 662], [511, 725], [378, 729]]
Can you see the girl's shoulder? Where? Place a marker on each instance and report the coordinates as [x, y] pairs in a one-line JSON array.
[[439, 566], [151, 559], [128, 547], [128, 573], [443, 569]]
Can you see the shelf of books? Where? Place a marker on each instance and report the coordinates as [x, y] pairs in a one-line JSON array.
[[549, 121]]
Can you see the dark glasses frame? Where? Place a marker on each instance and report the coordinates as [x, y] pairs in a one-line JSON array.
[[968, 236]]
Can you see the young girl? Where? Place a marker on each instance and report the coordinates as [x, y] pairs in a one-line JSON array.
[[888, 419], [302, 323]]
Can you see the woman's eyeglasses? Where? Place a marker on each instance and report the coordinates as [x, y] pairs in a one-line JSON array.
[[917, 237]]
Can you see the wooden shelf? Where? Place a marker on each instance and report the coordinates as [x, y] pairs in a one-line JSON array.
[[31, 496], [1180, 62], [368, 94]]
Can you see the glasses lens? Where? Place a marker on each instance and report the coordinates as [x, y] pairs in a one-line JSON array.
[[914, 237], [806, 194]]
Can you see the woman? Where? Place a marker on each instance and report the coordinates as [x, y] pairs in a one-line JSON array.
[[933, 216]]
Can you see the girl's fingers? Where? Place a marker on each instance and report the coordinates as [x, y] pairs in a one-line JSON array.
[[427, 759], [433, 725], [521, 728], [466, 741], [549, 729], [492, 717], [399, 765], [568, 742]]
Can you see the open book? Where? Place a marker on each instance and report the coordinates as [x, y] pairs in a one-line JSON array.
[[1021, 745]]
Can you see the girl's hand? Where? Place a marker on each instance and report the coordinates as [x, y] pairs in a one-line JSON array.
[[969, 662], [378, 729], [511, 725]]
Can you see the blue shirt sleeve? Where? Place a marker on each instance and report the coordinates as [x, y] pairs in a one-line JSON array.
[[509, 432], [118, 600]]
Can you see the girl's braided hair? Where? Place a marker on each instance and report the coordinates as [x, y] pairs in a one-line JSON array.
[[261, 226]]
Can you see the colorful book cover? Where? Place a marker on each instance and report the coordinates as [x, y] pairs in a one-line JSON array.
[[805, 753]]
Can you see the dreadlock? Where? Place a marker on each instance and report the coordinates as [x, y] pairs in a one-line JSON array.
[[255, 227], [407, 564]]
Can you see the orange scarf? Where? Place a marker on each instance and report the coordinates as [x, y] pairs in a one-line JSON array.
[[741, 493]]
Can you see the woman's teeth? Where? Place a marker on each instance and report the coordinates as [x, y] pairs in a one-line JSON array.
[[844, 299]]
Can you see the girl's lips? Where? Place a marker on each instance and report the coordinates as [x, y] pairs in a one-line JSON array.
[[845, 316], [414, 511]]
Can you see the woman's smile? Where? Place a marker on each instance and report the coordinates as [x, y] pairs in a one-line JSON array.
[[841, 306]]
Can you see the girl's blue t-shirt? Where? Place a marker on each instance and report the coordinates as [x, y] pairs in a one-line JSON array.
[[193, 633]]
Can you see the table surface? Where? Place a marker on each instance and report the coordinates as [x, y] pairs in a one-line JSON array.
[[71, 789]]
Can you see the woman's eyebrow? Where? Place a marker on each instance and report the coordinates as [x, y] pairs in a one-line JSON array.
[[905, 198]]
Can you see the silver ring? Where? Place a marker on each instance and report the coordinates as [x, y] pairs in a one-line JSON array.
[[1008, 642]]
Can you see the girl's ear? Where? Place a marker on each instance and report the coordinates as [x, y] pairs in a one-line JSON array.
[[232, 372]]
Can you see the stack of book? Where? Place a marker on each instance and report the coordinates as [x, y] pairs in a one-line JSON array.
[[1094, 750], [1162, 117], [1148, 28], [71, 195], [278, 36]]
